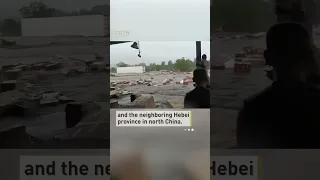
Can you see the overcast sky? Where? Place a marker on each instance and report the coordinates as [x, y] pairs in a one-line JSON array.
[[155, 52], [9, 8], [160, 20]]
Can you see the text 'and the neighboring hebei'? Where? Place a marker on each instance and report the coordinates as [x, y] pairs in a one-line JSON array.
[[154, 118]]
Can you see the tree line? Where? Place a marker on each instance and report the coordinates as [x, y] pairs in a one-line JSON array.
[[181, 64], [38, 9]]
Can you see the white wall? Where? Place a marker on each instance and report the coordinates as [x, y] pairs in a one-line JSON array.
[[91, 25], [134, 69]]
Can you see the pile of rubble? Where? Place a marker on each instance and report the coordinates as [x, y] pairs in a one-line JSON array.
[[152, 82], [136, 101], [250, 58], [21, 105], [251, 55], [146, 101], [13, 135], [14, 101], [53, 99], [18, 104], [118, 92], [14, 71], [10, 74]]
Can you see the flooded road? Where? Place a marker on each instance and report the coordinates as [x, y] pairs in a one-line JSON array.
[[228, 90]]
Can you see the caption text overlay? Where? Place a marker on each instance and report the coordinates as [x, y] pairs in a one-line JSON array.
[[235, 167], [64, 167], [154, 118], [98, 167]]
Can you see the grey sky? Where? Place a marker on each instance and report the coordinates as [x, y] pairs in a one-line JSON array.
[[9, 8], [155, 52], [160, 20]]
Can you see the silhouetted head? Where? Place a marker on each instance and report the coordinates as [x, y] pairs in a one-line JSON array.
[[289, 49], [200, 77], [204, 56]]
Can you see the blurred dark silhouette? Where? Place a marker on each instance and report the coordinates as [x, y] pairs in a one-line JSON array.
[[204, 62], [286, 114], [199, 97]]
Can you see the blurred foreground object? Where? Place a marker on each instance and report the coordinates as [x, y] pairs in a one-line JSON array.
[[197, 165], [303, 12], [130, 168]]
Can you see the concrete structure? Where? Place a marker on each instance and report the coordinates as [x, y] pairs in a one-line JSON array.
[[133, 69], [89, 25]]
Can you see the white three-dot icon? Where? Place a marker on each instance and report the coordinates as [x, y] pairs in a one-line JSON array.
[[189, 129]]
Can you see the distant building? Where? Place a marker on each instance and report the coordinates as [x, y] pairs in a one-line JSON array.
[[131, 69], [86, 25]]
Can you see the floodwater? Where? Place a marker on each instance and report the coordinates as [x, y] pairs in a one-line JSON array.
[[228, 90], [83, 87], [161, 93]]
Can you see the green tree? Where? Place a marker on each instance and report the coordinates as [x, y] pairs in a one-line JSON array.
[[36, 9], [122, 64], [184, 65], [141, 64], [152, 67], [158, 67], [163, 66]]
